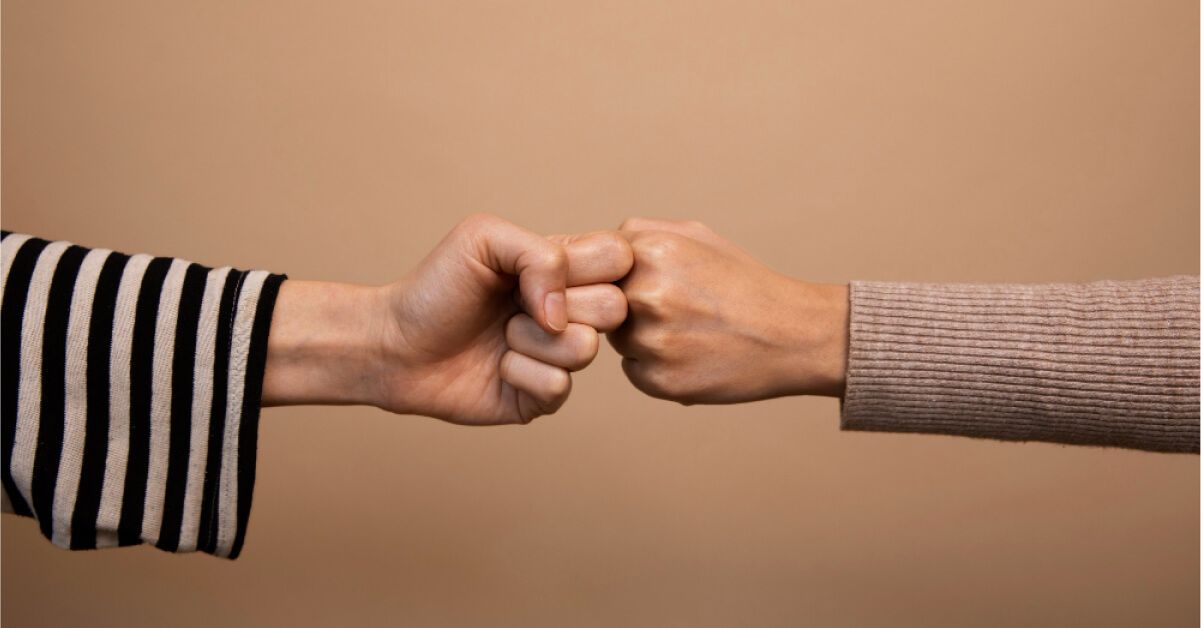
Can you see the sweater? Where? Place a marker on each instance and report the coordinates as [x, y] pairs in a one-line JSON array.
[[1107, 363], [130, 386], [130, 390]]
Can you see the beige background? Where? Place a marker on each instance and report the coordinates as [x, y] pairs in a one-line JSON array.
[[926, 140]]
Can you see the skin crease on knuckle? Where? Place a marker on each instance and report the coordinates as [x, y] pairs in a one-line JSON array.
[[657, 246], [474, 226], [578, 346], [601, 256], [573, 349], [550, 257], [480, 220], [547, 386], [623, 254], [647, 302], [601, 305], [513, 329], [587, 346], [657, 379], [557, 387], [653, 340], [553, 257], [615, 253], [630, 224], [644, 287], [614, 307]]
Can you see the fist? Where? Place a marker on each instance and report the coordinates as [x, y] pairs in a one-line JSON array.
[[710, 324], [489, 327]]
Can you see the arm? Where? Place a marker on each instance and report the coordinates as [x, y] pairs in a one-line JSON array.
[[132, 385], [1109, 363]]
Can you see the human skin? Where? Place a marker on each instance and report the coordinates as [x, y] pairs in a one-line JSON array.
[[451, 339], [708, 323]]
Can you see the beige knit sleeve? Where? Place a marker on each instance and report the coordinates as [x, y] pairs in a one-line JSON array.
[[1108, 363]]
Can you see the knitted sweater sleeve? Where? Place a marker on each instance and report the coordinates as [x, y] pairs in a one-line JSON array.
[[130, 395], [1112, 363]]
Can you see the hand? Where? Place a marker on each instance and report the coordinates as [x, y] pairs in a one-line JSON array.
[[450, 340], [710, 324]]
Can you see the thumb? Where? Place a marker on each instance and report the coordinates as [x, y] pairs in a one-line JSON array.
[[539, 265]]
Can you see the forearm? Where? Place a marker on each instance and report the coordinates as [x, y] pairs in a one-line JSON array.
[[324, 346], [1107, 363]]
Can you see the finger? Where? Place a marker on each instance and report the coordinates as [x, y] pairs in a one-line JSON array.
[[539, 264], [601, 306], [597, 257], [573, 349], [687, 228], [547, 385]]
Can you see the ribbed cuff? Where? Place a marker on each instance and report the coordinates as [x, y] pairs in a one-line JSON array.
[[1105, 363]]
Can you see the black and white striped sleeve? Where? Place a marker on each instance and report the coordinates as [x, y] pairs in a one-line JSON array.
[[130, 390]]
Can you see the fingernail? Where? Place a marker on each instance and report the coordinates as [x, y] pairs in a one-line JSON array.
[[555, 307]]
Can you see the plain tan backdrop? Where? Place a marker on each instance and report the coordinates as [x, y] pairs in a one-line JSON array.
[[1027, 140]]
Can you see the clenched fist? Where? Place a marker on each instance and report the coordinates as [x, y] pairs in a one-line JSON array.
[[710, 324], [485, 331]]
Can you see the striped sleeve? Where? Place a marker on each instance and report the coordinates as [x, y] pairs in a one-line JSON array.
[[129, 392], [1112, 363]]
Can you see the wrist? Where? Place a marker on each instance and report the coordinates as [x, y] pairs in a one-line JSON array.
[[325, 345], [818, 339], [832, 340]]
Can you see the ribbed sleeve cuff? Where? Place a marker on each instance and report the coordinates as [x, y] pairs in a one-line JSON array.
[[1105, 363]]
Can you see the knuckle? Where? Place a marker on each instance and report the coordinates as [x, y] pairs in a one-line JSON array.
[[648, 300], [613, 304], [632, 223], [675, 386], [642, 301], [653, 340], [513, 328], [657, 246], [587, 347], [558, 384], [618, 252], [657, 381], [506, 364], [553, 256], [477, 220]]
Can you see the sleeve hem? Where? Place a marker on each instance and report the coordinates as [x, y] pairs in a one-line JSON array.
[[251, 406]]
